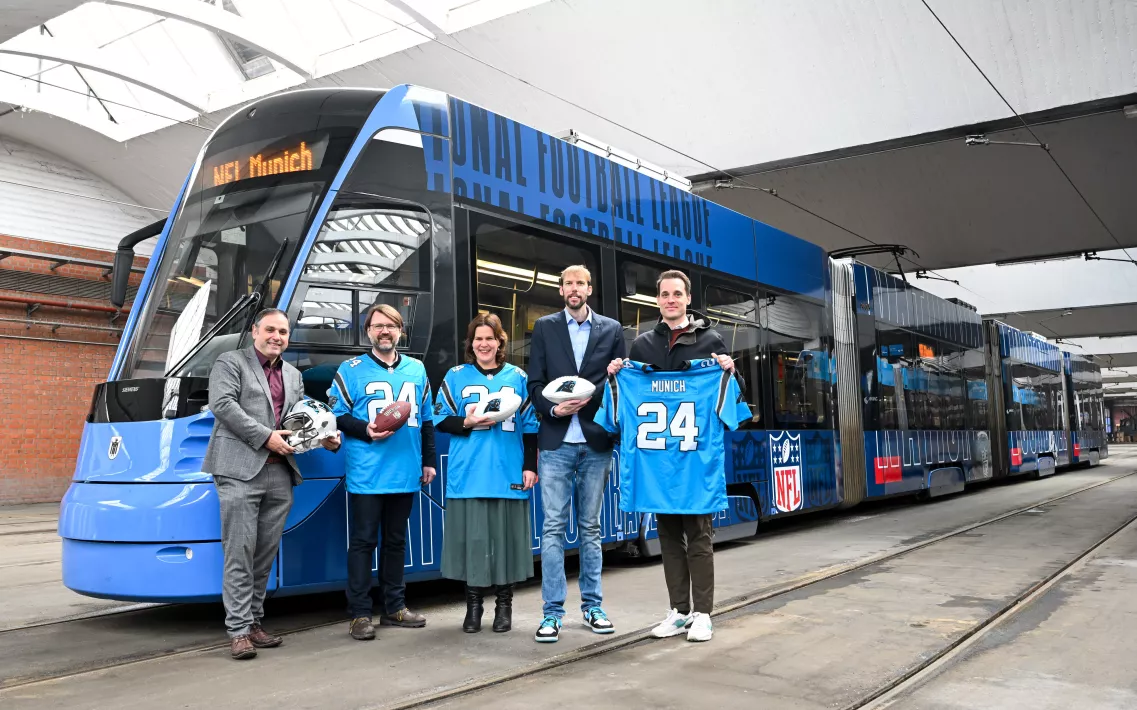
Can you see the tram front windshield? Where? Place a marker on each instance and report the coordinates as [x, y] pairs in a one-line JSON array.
[[220, 249]]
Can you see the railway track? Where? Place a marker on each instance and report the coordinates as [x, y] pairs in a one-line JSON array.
[[641, 636], [741, 603]]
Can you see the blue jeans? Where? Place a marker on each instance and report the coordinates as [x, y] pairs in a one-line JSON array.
[[560, 471]]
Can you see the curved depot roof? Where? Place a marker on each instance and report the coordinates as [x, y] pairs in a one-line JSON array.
[[850, 109]]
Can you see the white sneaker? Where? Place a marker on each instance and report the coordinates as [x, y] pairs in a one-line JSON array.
[[673, 625], [701, 628]]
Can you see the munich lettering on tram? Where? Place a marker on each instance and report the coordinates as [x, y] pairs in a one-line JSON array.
[[289, 160]]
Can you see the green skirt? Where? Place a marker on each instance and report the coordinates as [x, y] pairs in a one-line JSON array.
[[487, 541]]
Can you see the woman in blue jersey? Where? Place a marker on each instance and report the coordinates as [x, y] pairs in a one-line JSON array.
[[491, 468]]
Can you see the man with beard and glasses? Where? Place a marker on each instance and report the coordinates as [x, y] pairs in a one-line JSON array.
[[384, 469], [574, 451]]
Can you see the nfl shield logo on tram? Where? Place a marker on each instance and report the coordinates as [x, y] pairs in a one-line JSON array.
[[785, 465]]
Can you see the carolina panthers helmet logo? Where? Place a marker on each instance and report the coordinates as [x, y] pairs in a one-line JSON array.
[[567, 386], [494, 405]]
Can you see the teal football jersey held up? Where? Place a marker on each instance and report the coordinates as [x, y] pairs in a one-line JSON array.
[[671, 426], [361, 387], [488, 462]]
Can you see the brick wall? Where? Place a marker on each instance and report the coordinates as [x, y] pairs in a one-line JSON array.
[[47, 373]]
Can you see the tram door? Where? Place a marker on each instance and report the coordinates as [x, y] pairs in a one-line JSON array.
[[517, 271]]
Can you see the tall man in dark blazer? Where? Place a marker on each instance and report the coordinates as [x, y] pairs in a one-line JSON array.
[[250, 392], [573, 451]]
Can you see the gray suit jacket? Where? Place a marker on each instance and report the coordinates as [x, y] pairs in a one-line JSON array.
[[243, 416]]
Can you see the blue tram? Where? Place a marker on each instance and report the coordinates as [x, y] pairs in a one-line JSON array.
[[323, 202], [1085, 410]]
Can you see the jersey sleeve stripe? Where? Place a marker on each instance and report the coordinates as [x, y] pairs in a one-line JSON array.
[[724, 381], [445, 390], [614, 384], [525, 405], [344, 393]]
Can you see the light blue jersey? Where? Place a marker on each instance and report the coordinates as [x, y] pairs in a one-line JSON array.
[[487, 463], [361, 387], [671, 424]]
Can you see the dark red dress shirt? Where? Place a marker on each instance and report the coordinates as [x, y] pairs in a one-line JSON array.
[[274, 373]]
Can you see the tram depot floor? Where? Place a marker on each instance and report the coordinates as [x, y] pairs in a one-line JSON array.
[[944, 599]]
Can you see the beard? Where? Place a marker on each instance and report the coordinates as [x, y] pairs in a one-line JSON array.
[[383, 344]]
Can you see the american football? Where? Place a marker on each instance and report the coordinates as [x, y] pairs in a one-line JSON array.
[[569, 387], [498, 407], [393, 416]]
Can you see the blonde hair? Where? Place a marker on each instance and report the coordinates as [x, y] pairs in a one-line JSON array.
[[576, 267]]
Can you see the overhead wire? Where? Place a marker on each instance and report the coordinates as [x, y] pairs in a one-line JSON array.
[[726, 173], [109, 101], [86, 197], [1029, 130], [741, 179]]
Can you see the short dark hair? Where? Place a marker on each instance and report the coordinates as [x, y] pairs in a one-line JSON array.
[[268, 312], [674, 274]]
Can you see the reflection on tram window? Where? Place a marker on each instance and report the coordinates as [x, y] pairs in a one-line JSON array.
[[518, 278], [326, 316], [415, 330], [734, 315], [377, 251], [975, 383], [800, 362], [928, 384], [639, 310], [382, 245], [1035, 399]]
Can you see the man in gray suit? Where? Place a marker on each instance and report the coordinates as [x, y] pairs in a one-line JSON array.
[[250, 391]]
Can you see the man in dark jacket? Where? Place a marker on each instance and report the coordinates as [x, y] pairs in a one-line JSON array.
[[685, 540], [574, 452]]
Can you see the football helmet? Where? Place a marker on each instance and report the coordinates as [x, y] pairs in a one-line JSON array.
[[310, 422]]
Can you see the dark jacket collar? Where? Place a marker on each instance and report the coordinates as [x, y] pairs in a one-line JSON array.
[[696, 322]]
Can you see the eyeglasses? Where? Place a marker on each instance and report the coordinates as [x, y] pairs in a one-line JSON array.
[[384, 326]]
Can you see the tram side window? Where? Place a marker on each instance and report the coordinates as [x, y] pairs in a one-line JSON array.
[[734, 315], [369, 250], [1034, 404], [518, 277], [800, 362], [639, 311], [326, 316], [953, 392], [924, 387], [892, 375], [415, 330], [975, 384]]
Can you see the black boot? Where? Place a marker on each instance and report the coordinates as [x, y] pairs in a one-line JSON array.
[[474, 598], [503, 612]]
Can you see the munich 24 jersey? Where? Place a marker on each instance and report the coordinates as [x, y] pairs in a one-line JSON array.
[[364, 385], [671, 424], [487, 463]]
